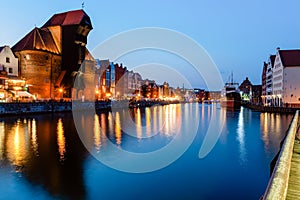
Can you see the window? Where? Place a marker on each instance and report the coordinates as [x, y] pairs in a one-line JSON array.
[[47, 80], [299, 99], [7, 60], [10, 70], [47, 69]]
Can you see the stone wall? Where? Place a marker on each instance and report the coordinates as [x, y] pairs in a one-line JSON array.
[[41, 71]]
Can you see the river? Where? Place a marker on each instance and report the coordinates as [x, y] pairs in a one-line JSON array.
[[49, 156]]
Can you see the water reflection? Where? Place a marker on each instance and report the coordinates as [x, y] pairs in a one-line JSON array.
[[118, 129], [241, 135], [34, 141], [35, 147], [2, 133], [273, 127], [97, 133], [61, 141], [16, 145], [148, 122], [138, 121]]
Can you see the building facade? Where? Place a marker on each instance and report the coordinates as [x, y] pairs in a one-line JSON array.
[[277, 80], [12, 87], [264, 82], [112, 80], [8, 61], [246, 90], [50, 56], [286, 82], [268, 100]]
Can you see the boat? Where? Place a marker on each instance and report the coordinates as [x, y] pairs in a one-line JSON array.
[[230, 96]]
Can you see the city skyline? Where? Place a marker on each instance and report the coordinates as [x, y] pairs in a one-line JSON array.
[[235, 36]]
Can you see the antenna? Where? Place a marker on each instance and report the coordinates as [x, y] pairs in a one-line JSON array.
[[82, 5]]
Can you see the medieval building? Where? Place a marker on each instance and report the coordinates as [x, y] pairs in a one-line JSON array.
[[50, 56]]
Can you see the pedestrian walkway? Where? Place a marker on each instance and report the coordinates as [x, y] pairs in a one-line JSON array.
[[293, 192]]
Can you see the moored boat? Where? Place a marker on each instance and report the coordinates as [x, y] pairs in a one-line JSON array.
[[230, 97]]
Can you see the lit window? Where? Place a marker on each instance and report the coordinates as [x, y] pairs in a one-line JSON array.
[[7, 60]]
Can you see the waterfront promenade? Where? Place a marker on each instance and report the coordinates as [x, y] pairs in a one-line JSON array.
[[293, 191], [285, 179]]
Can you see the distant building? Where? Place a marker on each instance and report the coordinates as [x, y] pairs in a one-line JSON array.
[[12, 88], [200, 94], [50, 56], [264, 81], [8, 61], [286, 82], [101, 87], [268, 100], [256, 97], [134, 82], [120, 81], [215, 95], [149, 89], [112, 79], [246, 90]]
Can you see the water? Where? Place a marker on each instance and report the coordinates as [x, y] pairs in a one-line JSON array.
[[43, 157]]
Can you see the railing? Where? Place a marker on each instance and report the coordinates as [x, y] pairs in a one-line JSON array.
[[278, 184]]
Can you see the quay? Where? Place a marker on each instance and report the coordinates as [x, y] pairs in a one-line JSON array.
[[270, 109], [19, 108], [285, 179]]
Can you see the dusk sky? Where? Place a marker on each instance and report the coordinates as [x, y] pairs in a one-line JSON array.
[[238, 35]]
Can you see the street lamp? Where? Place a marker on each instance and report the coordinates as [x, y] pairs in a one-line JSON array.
[[61, 90]]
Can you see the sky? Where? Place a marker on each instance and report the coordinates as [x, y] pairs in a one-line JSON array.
[[238, 35]]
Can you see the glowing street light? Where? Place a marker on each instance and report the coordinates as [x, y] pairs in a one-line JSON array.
[[61, 90]]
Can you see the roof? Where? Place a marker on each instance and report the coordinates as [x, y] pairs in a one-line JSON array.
[[1, 48], [74, 17], [88, 55], [37, 39], [290, 58], [272, 59]]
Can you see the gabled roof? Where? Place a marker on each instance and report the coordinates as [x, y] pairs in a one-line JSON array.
[[290, 58], [37, 39], [1, 48], [74, 17], [88, 55], [272, 59]]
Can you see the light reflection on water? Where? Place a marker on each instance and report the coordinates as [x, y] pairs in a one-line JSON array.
[[241, 135], [2, 134], [272, 129], [34, 140], [61, 141], [35, 146]]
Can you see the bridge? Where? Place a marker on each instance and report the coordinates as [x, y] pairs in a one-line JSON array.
[[285, 179]]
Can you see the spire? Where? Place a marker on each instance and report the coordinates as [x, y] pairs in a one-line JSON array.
[[82, 5]]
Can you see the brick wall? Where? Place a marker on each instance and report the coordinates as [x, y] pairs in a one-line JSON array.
[[41, 71]]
